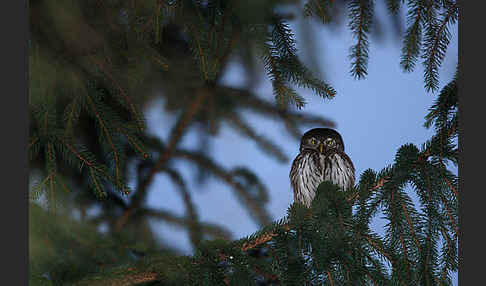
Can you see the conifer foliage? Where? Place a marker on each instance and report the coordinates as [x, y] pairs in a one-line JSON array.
[[93, 66], [330, 245]]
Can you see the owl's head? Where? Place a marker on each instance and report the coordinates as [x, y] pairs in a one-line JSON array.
[[322, 140]]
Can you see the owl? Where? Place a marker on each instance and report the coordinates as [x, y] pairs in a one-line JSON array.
[[321, 158]]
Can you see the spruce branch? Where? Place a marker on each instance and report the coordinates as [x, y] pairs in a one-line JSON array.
[[378, 246], [329, 276], [410, 225], [128, 277], [258, 241], [34, 146], [71, 115], [222, 54], [445, 103], [250, 101], [82, 158], [287, 68], [127, 99], [255, 207], [250, 181], [213, 230], [371, 278], [319, 8], [51, 166], [33, 141], [192, 217], [451, 187], [97, 171], [393, 6], [451, 218], [157, 15], [200, 54], [107, 135], [176, 134], [96, 182], [302, 77], [293, 251], [360, 14], [134, 142], [245, 129], [283, 93], [282, 39], [413, 36], [381, 182], [436, 42], [38, 188]]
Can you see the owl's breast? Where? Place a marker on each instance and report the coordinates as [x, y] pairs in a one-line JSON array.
[[339, 169], [309, 169], [305, 177]]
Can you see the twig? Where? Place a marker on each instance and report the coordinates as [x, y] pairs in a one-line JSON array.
[[107, 136], [259, 240], [201, 55], [262, 239], [211, 229], [124, 218], [33, 142], [410, 226], [405, 256], [271, 278], [122, 92], [126, 279], [330, 277], [382, 251], [378, 185], [451, 187], [371, 278], [229, 179], [175, 137]]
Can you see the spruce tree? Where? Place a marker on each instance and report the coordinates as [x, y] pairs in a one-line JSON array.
[[92, 68]]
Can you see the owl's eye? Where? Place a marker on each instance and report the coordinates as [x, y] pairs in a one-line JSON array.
[[313, 141]]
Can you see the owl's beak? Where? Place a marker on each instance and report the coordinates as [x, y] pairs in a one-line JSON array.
[[321, 147]]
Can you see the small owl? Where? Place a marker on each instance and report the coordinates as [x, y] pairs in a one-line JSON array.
[[321, 158]]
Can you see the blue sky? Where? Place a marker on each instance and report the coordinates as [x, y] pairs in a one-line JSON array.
[[375, 116]]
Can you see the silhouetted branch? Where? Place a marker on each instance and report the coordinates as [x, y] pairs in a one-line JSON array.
[[244, 128], [211, 229], [194, 226], [175, 136], [125, 278], [255, 208], [249, 100]]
